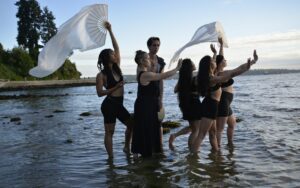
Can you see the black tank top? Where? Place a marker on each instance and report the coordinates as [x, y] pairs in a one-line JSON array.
[[228, 83], [110, 80], [213, 88], [151, 90]]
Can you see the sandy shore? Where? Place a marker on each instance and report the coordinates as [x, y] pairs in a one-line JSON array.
[[20, 85]]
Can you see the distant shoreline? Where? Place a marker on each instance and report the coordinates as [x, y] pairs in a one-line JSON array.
[[23, 85], [6, 85]]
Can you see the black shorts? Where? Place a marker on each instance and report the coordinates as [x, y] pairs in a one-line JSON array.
[[193, 111], [209, 108], [224, 105], [112, 108]]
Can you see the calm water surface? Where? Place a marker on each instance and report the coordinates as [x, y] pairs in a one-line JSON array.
[[53, 146]]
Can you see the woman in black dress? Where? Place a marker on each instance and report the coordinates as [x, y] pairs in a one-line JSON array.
[[146, 130]]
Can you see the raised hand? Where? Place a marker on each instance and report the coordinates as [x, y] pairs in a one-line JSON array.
[[255, 57], [107, 25], [220, 41], [213, 49]]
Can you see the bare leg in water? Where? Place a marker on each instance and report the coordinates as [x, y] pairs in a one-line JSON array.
[[172, 137], [221, 121], [194, 125], [108, 141], [213, 136], [205, 125], [128, 134], [230, 130]]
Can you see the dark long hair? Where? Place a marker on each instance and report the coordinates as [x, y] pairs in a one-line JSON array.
[[103, 63], [185, 83], [203, 75]]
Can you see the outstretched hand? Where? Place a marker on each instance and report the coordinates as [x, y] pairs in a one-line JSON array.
[[255, 57], [213, 49]]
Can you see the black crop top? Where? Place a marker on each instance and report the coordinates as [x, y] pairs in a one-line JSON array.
[[110, 80], [228, 83], [214, 88]]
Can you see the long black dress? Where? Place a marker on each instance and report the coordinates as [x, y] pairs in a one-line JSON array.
[[146, 130]]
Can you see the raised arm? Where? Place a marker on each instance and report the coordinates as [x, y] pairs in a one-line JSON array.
[[99, 86], [221, 51], [114, 42], [213, 49], [151, 76], [176, 88], [226, 75]]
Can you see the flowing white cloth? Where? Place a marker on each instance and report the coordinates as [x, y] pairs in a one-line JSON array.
[[84, 31], [206, 33]]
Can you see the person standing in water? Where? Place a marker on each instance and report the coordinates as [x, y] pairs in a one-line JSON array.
[[157, 66], [110, 77], [189, 102], [225, 114], [209, 88], [146, 130]]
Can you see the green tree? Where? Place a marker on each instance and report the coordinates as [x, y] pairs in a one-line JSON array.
[[29, 15], [48, 27], [21, 62]]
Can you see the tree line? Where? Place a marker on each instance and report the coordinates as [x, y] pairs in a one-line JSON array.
[[36, 26]]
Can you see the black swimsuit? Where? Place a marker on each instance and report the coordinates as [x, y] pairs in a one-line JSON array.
[[226, 99], [192, 111], [112, 107], [209, 105]]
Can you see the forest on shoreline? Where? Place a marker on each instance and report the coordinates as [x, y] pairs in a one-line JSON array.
[[35, 28]]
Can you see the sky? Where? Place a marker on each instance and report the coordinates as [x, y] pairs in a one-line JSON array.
[[272, 27]]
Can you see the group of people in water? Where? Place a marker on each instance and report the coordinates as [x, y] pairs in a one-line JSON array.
[[143, 131]]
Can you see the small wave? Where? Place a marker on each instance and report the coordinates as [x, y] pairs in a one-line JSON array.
[[287, 109], [242, 94], [6, 97], [261, 116]]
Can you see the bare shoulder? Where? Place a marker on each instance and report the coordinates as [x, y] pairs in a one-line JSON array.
[[99, 75]]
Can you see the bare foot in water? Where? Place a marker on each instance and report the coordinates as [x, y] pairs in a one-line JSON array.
[[171, 140], [135, 156]]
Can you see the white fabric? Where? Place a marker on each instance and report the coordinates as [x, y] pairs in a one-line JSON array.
[[206, 33], [84, 31]]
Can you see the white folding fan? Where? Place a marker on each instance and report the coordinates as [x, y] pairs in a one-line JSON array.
[[84, 31]]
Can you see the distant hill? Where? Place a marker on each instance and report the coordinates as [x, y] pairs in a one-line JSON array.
[[132, 78]]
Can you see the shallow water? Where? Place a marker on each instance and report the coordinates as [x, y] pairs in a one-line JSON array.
[[53, 146]]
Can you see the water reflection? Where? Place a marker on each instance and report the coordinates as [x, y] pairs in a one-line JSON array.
[[215, 170]]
